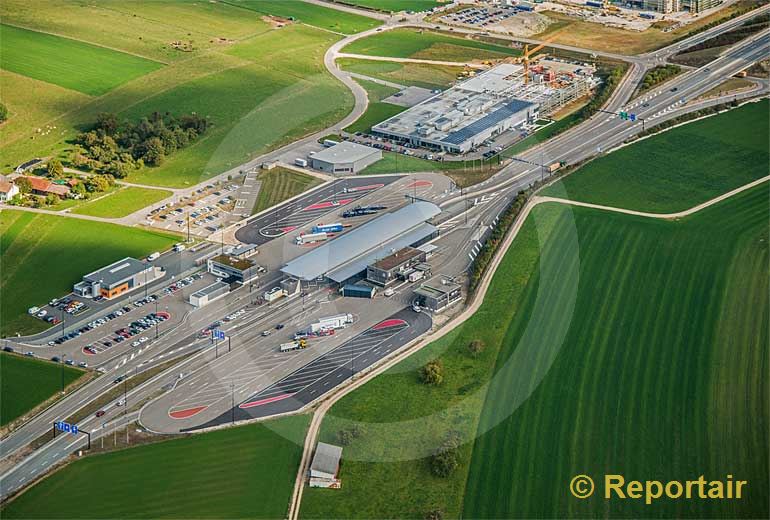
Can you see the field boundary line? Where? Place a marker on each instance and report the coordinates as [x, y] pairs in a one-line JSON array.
[[665, 216]]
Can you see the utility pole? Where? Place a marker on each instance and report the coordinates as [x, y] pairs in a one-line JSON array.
[[232, 402], [229, 344], [156, 319], [61, 359]]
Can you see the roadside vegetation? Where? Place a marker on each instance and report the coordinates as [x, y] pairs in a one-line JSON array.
[[44, 255], [243, 472], [657, 75], [680, 168], [280, 184], [122, 203], [26, 382], [429, 45], [69, 63], [701, 54]]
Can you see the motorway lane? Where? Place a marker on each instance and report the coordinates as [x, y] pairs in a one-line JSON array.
[[326, 372]]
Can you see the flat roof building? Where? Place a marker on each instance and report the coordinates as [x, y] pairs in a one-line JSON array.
[[437, 297], [209, 293], [389, 269], [233, 268], [325, 466], [349, 254], [118, 278], [345, 157]]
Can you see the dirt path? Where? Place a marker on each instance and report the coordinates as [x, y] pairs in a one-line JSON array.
[[476, 300]]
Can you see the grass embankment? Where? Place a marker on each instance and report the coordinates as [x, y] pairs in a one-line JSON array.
[[69, 63], [643, 346], [569, 30], [27, 382], [43, 255], [311, 14], [280, 184], [701, 54], [428, 45], [376, 111], [408, 74], [657, 75], [244, 472], [680, 168], [123, 202], [393, 6]]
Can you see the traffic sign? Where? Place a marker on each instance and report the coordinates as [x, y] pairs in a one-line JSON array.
[[624, 115], [219, 334], [632, 117], [67, 427]]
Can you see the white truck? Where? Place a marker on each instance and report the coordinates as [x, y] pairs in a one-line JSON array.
[[293, 345], [300, 162], [416, 275], [331, 322], [311, 238]]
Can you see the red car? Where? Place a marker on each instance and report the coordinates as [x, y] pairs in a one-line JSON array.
[[100, 413]]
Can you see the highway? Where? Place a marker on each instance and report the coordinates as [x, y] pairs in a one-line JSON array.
[[478, 206]]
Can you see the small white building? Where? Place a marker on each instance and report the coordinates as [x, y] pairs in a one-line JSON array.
[[345, 157], [209, 293], [325, 466], [8, 190]]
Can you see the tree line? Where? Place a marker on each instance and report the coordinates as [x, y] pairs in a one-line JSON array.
[[117, 147]]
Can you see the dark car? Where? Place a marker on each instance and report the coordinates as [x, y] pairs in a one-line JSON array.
[[279, 326], [7, 349], [56, 359], [100, 413]]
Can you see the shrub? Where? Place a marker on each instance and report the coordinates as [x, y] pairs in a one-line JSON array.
[[446, 457], [432, 373], [476, 347]]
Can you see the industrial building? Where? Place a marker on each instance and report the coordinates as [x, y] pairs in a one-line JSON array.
[[351, 253], [499, 99], [118, 278], [394, 267], [325, 466], [209, 293], [345, 157], [672, 6], [437, 298], [233, 268]]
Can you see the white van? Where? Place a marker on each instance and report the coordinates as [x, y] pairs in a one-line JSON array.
[[153, 256]]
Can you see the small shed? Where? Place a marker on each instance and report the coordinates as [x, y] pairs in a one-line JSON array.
[[358, 291], [325, 466]]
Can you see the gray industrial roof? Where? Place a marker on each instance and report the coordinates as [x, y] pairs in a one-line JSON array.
[[362, 240], [358, 264], [326, 459], [211, 289], [345, 152], [117, 272]]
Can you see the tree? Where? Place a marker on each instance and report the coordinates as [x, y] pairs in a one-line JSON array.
[[51, 199], [55, 169], [432, 373], [79, 190], [446, 458], [154, 153], [3, 112], [24, 185], [434, 514], [476, 347], [107, 122]]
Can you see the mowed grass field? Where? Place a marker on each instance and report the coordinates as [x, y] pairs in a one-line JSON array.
[[723, 152], [377, 111], [429, 45], [69, 63], [27, 382], [617, 344], [393, 5], [123, 202], [312, 14], [44, 255], [280, 184], [244, 472], [409, 74]]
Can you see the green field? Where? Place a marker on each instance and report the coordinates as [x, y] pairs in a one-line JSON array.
[[43, 255], [244, 472], [408, 74], [280, 184], [69, 63], [27, 382], [312, 14], [618, 345], [394, 5], [723, 152], [376, 111], [412, 43], [123, 202]]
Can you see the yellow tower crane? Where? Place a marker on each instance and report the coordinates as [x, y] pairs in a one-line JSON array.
[[525, 59]]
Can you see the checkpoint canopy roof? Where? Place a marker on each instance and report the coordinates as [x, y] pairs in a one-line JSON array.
[[349, 254]]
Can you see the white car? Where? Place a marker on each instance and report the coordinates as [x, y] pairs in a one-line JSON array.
[[144, 339], [42, 313], [135, 344]]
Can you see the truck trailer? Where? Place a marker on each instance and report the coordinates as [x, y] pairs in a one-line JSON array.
[[293, 345], [310, 238], [331, 322], [328, 228]]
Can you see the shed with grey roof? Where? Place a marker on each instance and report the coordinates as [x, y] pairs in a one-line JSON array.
[[325, 466], [345, 157]]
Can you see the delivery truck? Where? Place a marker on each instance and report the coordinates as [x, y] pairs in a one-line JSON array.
[[293, 345], [310, 238], [328, 228], [331, 322]]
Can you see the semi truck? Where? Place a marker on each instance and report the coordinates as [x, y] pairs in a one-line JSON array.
[[362, 210], [555, 166], [331, 322], [293, 345], [310, 238], [300, 162], [328, 228]]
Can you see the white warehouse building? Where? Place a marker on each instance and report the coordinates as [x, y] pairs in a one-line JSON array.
[[345, 157]]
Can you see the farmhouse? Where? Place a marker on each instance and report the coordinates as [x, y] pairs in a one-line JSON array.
[[42, 186], [325, 466], [8, 190]]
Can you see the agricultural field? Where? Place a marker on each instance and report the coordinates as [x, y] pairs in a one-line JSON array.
[[43, 255], [71, 64], [428, 45], [569, 30], [376, 111], [244, 472], [393, 6], [123, 202], [723, 152], [27, 382], [408, 74], [672, 382], [280, 184], [312, 14]]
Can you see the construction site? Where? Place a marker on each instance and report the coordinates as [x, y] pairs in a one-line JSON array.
[[503, 98]]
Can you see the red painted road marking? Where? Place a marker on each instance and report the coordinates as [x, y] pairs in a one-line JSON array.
[[288, 229], [327, 204], [189, 412], [420, 184], [388, 323], [367, 187], [265, 401]]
